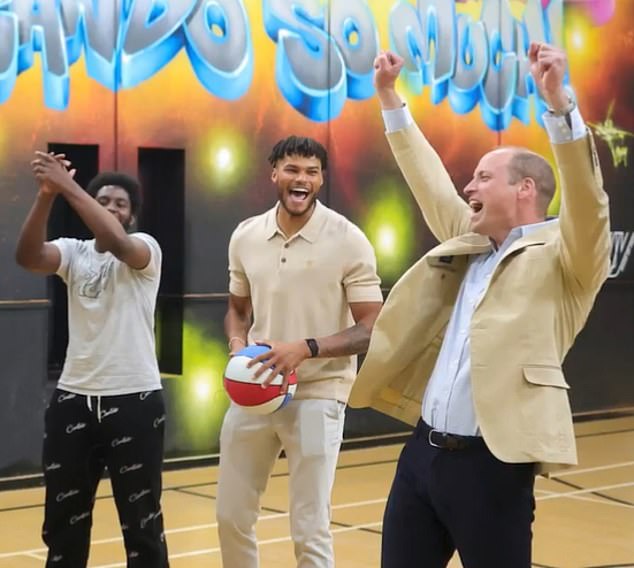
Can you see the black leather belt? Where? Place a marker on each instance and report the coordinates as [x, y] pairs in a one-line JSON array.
[[448, 441]]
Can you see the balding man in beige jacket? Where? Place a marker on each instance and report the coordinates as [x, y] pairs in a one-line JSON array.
[[470, 342]]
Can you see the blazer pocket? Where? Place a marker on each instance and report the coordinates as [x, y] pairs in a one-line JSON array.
[[545, 376]]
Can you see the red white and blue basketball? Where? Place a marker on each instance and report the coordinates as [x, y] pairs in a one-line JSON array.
[[246, 391]]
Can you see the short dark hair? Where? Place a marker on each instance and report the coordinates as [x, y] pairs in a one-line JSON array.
[[299, 146], [128, 183], [527, 164]]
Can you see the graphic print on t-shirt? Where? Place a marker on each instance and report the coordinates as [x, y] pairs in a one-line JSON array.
[[94, 281]]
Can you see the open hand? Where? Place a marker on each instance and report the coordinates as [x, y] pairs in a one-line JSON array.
[[282, 358]]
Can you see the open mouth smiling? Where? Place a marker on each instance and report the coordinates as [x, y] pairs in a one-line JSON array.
[[298, 193], [476, 206]]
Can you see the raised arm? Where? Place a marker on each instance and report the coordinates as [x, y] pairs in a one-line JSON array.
[[446, 214], [108, 231], [584, 218], [32, 251]]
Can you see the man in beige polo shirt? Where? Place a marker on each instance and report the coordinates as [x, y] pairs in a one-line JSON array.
[[302, 280]]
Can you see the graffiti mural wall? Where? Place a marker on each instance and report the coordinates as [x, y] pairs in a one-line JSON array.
[[207, 87]]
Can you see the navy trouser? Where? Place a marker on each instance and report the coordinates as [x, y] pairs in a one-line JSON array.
[[465, 499], [84, 435]]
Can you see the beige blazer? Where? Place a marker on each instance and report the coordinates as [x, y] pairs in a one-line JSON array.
[[537, 301]]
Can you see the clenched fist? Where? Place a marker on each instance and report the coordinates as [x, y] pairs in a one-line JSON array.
[[387, 66], [548, 68]]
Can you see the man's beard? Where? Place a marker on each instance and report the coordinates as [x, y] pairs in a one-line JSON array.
[[310, 202]]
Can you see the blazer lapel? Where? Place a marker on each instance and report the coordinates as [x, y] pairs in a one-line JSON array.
[[469, 243], [473, 243], [538, 237]]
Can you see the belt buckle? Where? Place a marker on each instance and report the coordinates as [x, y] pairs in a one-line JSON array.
[[431, 443]]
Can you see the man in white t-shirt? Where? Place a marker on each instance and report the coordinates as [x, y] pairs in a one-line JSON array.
[[107, 410]]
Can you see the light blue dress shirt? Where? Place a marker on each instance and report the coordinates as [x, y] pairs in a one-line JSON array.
[[448, 401]]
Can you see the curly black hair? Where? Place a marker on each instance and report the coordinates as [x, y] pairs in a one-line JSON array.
[[300, 146], [128, 183]]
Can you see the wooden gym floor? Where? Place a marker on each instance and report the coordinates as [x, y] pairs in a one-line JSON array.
[[584, 517]]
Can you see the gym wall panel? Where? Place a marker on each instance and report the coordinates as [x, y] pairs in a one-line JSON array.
[[223, 85]]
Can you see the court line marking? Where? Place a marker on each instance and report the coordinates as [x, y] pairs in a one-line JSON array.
[[545, 495], [595, 500], [603, 495], [216, 549], [564, 473], [208, 457], [395, 435], [555, 476], [204, 526], [584, 491], [592, 469], [181, 487], [344, 442]]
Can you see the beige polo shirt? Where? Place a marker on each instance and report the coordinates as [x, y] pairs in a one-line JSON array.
[[302, 287]]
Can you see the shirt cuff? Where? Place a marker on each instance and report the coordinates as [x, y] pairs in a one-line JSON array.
[[369, 293], [397, 118], [560, 130], [239, 289]]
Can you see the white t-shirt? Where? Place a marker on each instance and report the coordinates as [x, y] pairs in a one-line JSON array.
[[110, 320]]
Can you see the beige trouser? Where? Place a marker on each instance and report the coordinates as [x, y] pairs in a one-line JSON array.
[[310, 431]]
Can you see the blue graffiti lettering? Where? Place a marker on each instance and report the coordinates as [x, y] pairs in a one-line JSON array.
[[412, 31], [40, 29], [471, 65], [219, 47], [153, 36], [322, 61], [324, 51], [309, 68], [125, 43], [8, 59], [354, 32], [481, 62], [95, 26]]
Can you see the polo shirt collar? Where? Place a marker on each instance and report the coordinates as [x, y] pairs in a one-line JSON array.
[[308, 232]]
